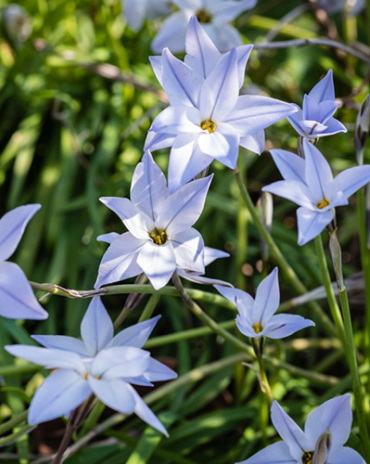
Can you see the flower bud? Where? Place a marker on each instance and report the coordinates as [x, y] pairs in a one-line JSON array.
[[16, 24], [362, 129], [322, 448]]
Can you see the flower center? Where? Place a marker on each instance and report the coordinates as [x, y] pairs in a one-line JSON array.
[[323, 203], [204, 17], [208, 125], [257, 328], [307, 457], [159, 237], [87, 374]]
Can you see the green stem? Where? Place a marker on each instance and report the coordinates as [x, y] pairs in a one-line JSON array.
[[121, 317], [265, 386], [10, 424], [149, 308], [276, 253], [334, 308]]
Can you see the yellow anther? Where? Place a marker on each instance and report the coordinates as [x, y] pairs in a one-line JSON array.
[[257, 328], [208, 125], [86, 375], [159, 237], [307, 457], [204, 17], [323, 203]]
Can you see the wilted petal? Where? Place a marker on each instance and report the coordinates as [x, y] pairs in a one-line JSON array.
[[172, 33], [201, 53], [17, 300], [12, 226], [148, 187], [324, 90], [291, 190], [253, 113], [62, 342], [158, 262], [278, 453], [335, 415], [115, 393], [58, 395], [352, 179], [267, 297], [291, 166], [344, 455], [289, 432], [311, 223], [136, 221], [184, 207], [186, 161], [188, 247], [120, 260], [135, 335], [96, 327], [283, 325], [254, 142], [51, 358], [319, 177]]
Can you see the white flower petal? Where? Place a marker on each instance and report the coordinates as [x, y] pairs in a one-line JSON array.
[[107, 238], [188, 247], [12, 226], [291, 166], [223, 35], [229, 10], [241, 299], [134, 13], [115, 393], [352, 179], [283, 325], [344, 455], [267, 297], [311, 223], [291, 190], [278, 453], [120, 361], [172, 33], [62, 342], [211, 254], [157, 371], [135, 335], [254, 142], [324, 90], [158, 262], [96, 327]]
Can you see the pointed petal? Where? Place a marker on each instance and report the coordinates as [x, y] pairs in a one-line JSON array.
[[324, 90], [172, 33], [107, 238], [211, 254], [158, 262], [352, 179], [220, 90], [186, 161], [291, 166], [333, 127], [17, 300], [254, 142], [223, 144], [96, 327], [242, 55], [156, 140], [188, 247], [136, 221], [146, 414], [289, 431], [58, 395], [115, 393], [291, 190], [182, 208], [12, 226], [319, 177], [62, 342], [267, 297], [283, 325], [120, 361], [201, 53], [311, 223], [238, 297], [120, 260], [149, 187], [311, 110], [326, 110], [253, 113], [157, 371], [344, 455], [176, 120], [156, 62], [335, 415], [228, 11], [200, 279], [51, 358], [135, 335], [223, 35], [278, 453], [180, 82]]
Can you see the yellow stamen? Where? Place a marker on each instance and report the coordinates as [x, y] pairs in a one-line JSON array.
[[208, 125], [307, 457], [323, 203], [159, 237], [257, 327], [87, 375], [204, 17]]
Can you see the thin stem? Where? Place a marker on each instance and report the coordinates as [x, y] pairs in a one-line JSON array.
[[149, 308], [10, 424], [334, 308], [64, 443], [121, 317], [276, 253], [265, 386]]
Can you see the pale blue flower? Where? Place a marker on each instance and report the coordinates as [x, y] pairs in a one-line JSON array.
[[17, 300], [160, 236], [99, 363], [315, 119], [214, 15], [135, 11], [256, 317], [207, 119], [326, 430], [350, 7], [309, 182]]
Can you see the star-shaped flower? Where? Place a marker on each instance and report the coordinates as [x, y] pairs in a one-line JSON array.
[[256, 317], [99, 363], [309, 182], [326, 430], [315, 119], [160, 236], [214, 15], [17, 300], [207, 119]]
